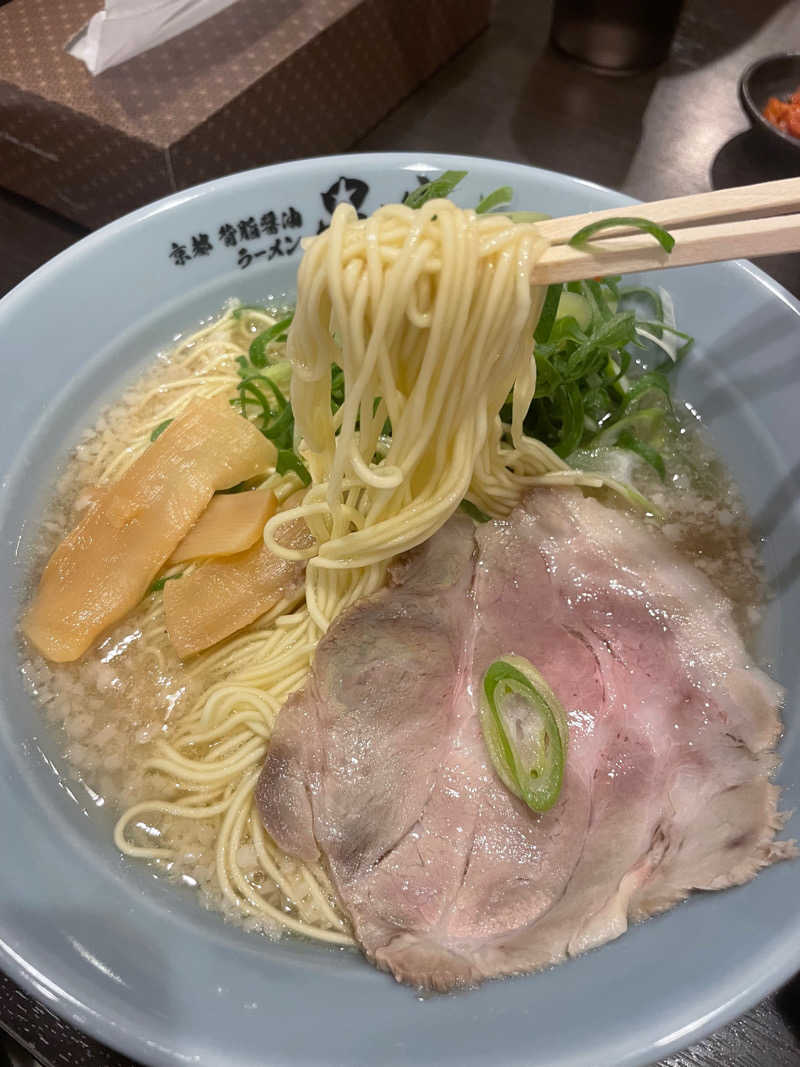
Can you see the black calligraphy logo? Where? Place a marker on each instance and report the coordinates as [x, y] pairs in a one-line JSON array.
[[278, 228], [178, 254], [201, 246], [248, 229], [269, 224], [351, 191], [345, 191], [227, 234]]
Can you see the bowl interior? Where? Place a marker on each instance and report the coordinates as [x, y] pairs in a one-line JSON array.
[[139, 963]]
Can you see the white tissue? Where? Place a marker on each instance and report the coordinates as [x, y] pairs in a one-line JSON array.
[[127, 27]]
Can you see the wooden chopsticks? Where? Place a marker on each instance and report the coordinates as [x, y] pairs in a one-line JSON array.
[[753, 220]]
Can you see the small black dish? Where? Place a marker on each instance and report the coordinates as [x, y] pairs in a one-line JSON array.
[[777, 75]]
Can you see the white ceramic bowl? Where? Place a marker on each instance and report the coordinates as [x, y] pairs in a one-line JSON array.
[[138, 963]]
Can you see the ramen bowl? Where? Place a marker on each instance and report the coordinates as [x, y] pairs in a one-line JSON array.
[[137, 962]]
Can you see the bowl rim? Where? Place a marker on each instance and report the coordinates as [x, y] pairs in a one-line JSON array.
[[780, 966], [757, 120]]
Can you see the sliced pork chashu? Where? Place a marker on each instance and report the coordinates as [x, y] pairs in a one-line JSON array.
[[379, 765]]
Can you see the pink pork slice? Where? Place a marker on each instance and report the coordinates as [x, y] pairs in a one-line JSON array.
[[379, 766]]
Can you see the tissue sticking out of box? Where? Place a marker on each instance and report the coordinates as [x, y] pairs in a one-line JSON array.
[[125, 28]]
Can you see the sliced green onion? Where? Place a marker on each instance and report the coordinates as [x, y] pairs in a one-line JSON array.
[[613, 333], [527, 216], [159, 583], [248, 390], [279, 372], [474, 512], [666, 240], [240, 487], [649, 454], [503, 195], [592, 292], [571, 411], [576, 306], [154, 436], [605, 464], [276, 332], [662, 336], [288, 460], [544, 327], [435, 190], [649, 294], [650, 381], [646, 422], [525, 728], [664, 326], [636, 499], [611, 281]]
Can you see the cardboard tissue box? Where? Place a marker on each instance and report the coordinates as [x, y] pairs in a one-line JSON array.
[[260, 82]]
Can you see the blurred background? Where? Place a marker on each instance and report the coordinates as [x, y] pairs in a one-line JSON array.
[[77, 151]]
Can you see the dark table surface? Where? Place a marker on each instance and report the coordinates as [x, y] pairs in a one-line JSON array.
[[509, 95]]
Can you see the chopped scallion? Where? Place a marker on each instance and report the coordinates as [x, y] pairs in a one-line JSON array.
[[474, 512], [649, 454], [157, 432], [159, 583], [503, 195], [527, 216], [525, 728], [436, 189], [665, 239], [288, 460], [547, 317], [258, 346]]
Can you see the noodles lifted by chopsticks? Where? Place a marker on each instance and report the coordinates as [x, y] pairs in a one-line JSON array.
[[429, 315]]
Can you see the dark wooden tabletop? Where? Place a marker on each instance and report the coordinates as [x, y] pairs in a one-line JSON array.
[[510, 95]]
